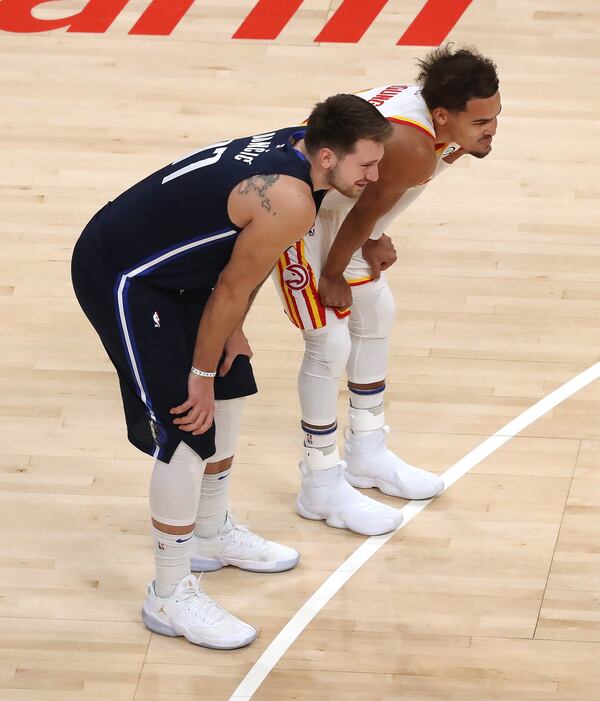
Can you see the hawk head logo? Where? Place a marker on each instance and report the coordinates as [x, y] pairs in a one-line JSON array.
[[296, 276]]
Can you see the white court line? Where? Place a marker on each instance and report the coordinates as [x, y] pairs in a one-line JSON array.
[[275, 651]]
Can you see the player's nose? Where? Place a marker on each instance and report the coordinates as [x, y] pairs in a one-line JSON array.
[[373, 174]]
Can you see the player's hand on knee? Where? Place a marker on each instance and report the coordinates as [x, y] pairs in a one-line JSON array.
[[199, 408], [380, 254], [236, 344], [334, 291]]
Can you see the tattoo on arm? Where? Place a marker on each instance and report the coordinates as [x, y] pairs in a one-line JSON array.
[[260, 184]]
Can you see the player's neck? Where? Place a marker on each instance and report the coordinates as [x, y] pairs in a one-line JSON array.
[[317, 175], [442, 134]]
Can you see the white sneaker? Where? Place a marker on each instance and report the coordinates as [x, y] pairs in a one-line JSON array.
[[371, 464], [236, 545], [326, 495], [194, 615]]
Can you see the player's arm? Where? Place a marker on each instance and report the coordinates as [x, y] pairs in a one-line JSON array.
[[409, 160], [237, 343], [273, 211]]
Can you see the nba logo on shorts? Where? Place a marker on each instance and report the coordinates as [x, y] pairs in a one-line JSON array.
[[296, 276]]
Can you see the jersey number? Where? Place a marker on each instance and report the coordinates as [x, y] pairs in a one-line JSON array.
[[219, 150]]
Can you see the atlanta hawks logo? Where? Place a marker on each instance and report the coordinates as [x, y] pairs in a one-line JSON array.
[[296, 276]]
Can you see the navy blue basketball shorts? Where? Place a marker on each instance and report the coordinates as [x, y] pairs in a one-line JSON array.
[[149, 334]]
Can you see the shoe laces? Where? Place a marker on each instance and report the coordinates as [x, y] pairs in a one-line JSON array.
[[200, 605], [245, 539]]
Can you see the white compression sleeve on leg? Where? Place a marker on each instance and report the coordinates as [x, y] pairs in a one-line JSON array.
[[228, 419], [174, 491], [175, 487], [325, 356], [370, 325]]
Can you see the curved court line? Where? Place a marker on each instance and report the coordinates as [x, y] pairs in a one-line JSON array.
[[279, 646]]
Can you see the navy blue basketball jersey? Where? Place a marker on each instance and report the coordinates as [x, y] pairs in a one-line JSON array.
[[172, 228]]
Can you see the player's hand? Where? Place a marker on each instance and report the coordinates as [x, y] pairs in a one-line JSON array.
[[334, 291], [199, 408], [236, 344], [380, 254]]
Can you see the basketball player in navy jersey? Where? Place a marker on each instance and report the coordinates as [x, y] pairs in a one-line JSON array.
[[166, 274]]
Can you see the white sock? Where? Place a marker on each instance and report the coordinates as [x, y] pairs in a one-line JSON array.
[[319, 437], [172, 555], [212, 506], [366, 398]]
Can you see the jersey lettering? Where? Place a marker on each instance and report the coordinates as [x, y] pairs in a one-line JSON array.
[[259, 144], [219, 150], [386, 94]]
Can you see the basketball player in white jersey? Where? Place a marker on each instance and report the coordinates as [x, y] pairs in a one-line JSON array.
[[452, 111]]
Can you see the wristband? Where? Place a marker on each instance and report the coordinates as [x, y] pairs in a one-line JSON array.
[[202, 373]]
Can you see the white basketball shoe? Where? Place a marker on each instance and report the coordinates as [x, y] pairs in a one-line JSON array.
[[191, 613], [237, 546], [326, 495], [371, 464]]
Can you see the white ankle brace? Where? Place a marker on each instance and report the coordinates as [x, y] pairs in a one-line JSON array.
[[321, 458], [366, 419]]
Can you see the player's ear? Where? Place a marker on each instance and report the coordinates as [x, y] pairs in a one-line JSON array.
[[327, 158], [440, 116]]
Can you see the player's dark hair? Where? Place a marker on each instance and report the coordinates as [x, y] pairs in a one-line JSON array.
[[340, 121], [450, 78]]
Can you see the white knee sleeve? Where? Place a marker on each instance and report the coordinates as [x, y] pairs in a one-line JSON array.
[[326, 353], [370, 325], [175, 487], [228, 417]]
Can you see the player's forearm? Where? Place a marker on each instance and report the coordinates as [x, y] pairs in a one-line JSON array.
[[224, 311]]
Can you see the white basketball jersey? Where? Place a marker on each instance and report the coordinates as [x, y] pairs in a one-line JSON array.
[[401, 104]]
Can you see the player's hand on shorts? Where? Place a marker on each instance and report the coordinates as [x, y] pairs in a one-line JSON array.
[[199, 408], [334, 291], [236, 344], [379, 254]]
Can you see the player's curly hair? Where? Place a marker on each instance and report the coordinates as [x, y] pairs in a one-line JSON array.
[[341, 120], [450, 78]]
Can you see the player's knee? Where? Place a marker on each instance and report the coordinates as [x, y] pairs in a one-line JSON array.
[[327, 349], [228, 418], [373, 310]]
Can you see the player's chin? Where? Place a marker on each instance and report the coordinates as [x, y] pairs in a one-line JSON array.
[[481, 153], [352, 192]]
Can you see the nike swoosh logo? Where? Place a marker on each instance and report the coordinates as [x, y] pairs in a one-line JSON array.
[[183, 540]]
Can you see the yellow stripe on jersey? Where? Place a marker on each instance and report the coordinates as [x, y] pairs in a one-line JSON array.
[[399, 119], [359, 280], [310, 290]]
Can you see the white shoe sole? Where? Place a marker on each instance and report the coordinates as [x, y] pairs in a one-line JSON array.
[[200, 564], [156, 625], [385, 487], [332, 518]]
